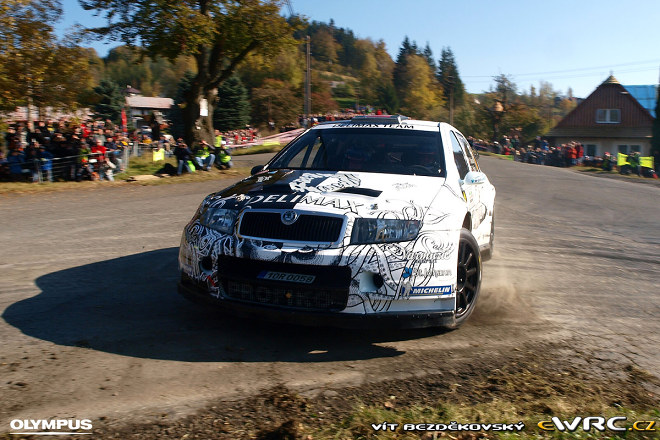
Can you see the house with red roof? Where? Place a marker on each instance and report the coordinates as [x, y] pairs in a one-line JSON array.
[[611, 119]]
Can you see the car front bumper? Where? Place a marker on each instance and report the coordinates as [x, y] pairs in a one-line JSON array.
[[385, 320]]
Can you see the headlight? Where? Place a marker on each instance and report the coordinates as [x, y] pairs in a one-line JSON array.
[[378, 230], [221, 220]]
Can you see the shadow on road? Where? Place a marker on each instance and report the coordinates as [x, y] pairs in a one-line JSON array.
[[129, 306]]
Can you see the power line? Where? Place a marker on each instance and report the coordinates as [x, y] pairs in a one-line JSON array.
[[655, 62], [582, 75]]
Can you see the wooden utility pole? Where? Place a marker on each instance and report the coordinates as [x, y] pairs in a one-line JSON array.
[[308, 82]]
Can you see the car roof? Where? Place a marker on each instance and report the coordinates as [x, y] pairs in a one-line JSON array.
[[385, 121]]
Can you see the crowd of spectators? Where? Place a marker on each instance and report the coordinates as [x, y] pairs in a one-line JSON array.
[[93, 150], [63, 150], [565, 155], [203, 156]]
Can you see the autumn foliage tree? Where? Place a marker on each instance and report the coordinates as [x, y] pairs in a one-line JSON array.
[[421, 96], [218, 34], [36, 69]]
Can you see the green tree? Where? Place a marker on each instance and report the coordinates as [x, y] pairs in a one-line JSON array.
[[175, 115], [287, 66], [322, 101], [275, 101], [428, 54], [153, 77], [325, 46], [233, 109], [218, 34], [450, 80], [36, 68], [421, 94], [407, 48], [387, 97], [109, 101]]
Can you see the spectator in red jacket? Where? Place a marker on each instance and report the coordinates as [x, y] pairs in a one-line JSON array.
[[99, 154]]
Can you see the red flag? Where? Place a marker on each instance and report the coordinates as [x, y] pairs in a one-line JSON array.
[[124, 124]]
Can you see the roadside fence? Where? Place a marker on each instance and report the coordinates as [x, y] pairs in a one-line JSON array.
[[79, 167]]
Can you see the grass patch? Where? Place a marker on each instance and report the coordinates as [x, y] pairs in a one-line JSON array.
[[501, 156], [359, 424], [507, 395], [138, 166]]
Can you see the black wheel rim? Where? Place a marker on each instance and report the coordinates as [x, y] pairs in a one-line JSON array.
[[468, 278]]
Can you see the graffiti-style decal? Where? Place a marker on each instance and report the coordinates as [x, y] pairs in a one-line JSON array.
[[324, 182], [410, 271]]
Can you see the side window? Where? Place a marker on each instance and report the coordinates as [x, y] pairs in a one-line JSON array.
[[472, 159], [459, 157]]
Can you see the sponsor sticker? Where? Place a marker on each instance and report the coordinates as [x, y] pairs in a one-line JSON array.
[[431, 290], [287, 277]]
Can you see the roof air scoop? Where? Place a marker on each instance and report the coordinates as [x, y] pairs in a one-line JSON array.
[[378, 119]]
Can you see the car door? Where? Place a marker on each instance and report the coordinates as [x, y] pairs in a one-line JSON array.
[[480, 194], [471, 189]]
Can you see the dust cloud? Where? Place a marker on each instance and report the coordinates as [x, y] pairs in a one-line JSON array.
[[503, 297]]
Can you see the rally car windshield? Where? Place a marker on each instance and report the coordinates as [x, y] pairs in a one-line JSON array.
[[380, 150]]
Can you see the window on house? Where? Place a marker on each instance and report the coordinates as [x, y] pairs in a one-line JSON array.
[[623, 149], [608, 116], [590, 150]]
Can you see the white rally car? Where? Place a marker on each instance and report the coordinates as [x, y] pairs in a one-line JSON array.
[[374, 220]]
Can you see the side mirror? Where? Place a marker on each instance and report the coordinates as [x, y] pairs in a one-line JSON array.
[[475, 178], [257, 169]]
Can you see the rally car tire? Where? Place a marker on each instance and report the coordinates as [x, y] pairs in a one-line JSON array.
[[468, 277]]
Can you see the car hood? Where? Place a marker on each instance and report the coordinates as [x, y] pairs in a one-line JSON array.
[[363, 194]]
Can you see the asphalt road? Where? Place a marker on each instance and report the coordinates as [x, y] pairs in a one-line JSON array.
[[92, 325]]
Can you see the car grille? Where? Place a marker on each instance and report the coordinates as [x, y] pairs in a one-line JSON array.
[[308, 227], [299, 298]]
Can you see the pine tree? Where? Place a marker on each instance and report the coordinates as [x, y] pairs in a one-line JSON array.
[[428, 54], [449, 78], [387, 98], [109, 102], [233, 109], [407, 49], [175, 114]]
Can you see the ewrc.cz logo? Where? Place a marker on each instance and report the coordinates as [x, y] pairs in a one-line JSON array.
[[599, 423], [439, 290], [54, 427]]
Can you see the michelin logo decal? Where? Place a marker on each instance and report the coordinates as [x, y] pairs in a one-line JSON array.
[[431, 290]]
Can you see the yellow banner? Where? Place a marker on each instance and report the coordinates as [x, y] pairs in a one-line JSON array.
[[646, 161], [158, 155]]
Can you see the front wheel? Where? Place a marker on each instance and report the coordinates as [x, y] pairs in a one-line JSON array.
[[468, 277]]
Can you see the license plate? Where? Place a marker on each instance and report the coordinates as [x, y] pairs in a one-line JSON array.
[[287, 277]]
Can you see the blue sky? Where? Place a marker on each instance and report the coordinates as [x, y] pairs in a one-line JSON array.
[[569, 43]]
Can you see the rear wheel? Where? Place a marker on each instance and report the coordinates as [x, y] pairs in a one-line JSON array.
[[468, 277]]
